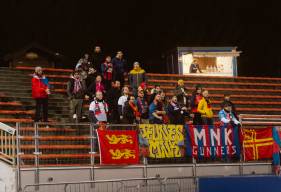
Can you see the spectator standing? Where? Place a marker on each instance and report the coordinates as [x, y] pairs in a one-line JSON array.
[[97, 59], [84, 63], [119, 67], [76, 90], [40, 92], [131, 112], [107, 72], [156, 90], [95, 86], [194, 101], [136, 77], [122, 100], [112, 99], [156, 115], [98, 109], [229, 102], [91, 77], [181, 93], [142, 106], [205, 109], [175, 112], [226, 116], [194, 67], [143, 87]]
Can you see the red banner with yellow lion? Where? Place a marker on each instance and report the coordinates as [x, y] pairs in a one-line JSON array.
[[118, 147]]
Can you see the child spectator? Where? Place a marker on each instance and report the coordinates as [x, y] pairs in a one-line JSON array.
[[76, 90], [40, 92], [95, 86], [227, 101], [156, 115], [226, 116], [119, 67], [175, 112], [131, 112], [205, 109], [142, 106], [194, 101], [107, 71], [98, 109], [112, 99], [136, 77], [122, 100]]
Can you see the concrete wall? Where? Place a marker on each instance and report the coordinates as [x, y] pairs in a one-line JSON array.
[[7, 178]]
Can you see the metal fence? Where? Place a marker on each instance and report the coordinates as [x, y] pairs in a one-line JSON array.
[[8, 144], [155, 184]]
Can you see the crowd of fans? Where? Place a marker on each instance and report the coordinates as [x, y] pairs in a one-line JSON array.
[[100, 79]]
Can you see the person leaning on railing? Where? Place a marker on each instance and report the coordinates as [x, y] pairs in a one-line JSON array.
[[98, 109], [226, 115]]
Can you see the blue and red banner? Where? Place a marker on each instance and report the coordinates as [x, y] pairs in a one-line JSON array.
[[212, 141], [118, 147]]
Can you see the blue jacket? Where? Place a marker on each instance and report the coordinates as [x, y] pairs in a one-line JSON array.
[[119, 65], [223, 116]]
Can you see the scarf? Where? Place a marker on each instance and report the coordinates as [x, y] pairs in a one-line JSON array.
[[77, 86], [135, 109], [97, 107], [137, 71]]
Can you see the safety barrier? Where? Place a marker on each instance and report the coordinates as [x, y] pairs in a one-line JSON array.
[[7, 140]]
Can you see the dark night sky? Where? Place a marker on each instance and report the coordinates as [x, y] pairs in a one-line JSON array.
[[146, 29]]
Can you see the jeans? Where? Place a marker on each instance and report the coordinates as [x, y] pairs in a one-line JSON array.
[[41, 105]]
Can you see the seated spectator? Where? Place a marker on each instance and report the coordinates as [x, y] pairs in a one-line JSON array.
[[107, 72], [194, 67], [194, 101], [112, 99], [181, 93], [131, 112], [40, 92], [98, 109], [136, 77], [175, 112], [153, 92], [142, 106], [119, 67], [226, 116], [91, 77], [95, 86], [156, 115], [97, 59], [122, 100], [76, 89], [227, 101], [205, 109]]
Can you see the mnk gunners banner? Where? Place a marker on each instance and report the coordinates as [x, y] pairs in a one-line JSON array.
[[213, 141], [118, 147], [163, 141], [257, 143]]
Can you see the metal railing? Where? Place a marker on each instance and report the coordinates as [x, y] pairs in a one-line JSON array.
[[259, 120], [7, 140], [153, 184]]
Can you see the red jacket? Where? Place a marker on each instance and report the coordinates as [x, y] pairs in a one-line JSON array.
[[38, 88]]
